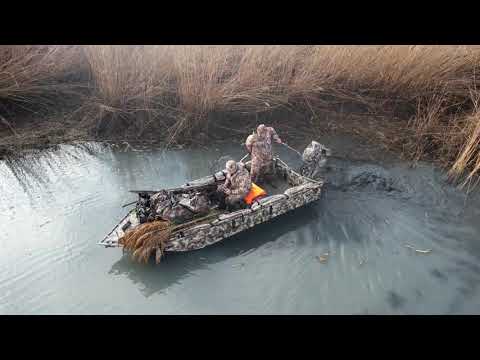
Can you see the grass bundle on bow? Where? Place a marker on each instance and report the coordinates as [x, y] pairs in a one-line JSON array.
[[145, 239]]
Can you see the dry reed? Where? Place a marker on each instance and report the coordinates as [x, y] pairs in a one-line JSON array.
[[32, 74], [146, 239], [179, 87]]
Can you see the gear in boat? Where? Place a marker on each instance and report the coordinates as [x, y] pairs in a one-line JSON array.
[[235, 193]]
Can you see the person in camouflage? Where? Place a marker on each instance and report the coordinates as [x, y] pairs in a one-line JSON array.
[[259, 145], [314, 159], [237, 185]]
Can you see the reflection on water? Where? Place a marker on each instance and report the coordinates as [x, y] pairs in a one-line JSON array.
[[353, 252], [176, 266]]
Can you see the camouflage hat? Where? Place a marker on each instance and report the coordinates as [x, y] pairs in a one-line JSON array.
[[261, 128], [231, 166]]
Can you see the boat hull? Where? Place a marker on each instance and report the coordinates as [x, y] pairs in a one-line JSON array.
[[301, 192], [228, 225]]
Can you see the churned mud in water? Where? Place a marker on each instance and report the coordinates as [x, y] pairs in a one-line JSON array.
[[384, 239]]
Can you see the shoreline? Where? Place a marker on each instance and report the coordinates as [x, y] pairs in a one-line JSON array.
[[294, 127]]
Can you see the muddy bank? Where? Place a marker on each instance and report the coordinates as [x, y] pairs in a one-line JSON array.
[[34, 132], [47, 136]]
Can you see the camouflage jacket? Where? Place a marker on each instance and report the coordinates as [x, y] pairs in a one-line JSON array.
[[314, 159], [197, 203], [169, 207], [239, 183], [260, 148], [161, 201]]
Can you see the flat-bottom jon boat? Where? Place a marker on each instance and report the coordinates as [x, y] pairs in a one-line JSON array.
[[287, 191]]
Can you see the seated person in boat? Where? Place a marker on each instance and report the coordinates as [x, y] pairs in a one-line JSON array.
[[237, 185], [259, 145]]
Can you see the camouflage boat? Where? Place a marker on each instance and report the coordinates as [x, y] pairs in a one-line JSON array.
[[288, 190]]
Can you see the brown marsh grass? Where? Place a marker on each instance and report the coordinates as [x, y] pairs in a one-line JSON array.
[[36, 74], [432, 89]]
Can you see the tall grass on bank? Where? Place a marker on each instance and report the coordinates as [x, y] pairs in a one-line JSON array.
[[132, 84], [468, 159], [431, 88], [129, 77], [34, 75], [204, 79]]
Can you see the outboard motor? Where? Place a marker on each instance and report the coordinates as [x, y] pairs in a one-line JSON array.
[[314, 159]]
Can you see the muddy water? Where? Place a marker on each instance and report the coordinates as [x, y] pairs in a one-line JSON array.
[[374, 214]]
